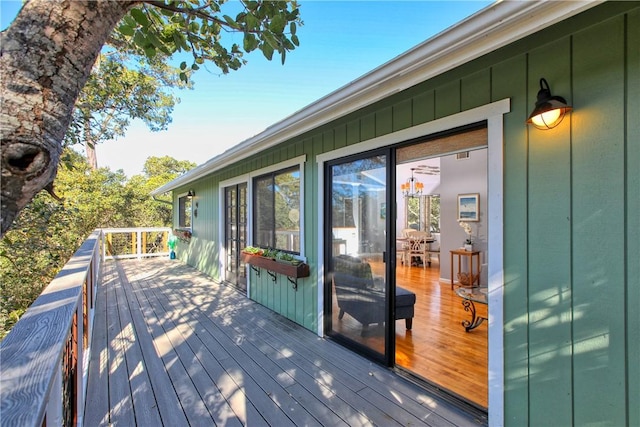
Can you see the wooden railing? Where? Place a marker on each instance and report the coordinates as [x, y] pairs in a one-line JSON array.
[[44, 358], [135, 242]]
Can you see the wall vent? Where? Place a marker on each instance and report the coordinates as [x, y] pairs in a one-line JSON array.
[[463, 155]]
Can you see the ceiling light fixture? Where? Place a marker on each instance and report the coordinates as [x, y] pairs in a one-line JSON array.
[[413, 187]]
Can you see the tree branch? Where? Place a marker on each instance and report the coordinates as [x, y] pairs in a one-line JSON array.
[[191, 12]]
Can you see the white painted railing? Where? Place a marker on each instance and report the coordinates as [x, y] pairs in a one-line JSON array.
[[122, 243], [44, 358]]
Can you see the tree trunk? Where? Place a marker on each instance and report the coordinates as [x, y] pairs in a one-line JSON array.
[[89, 146], [46, 56]]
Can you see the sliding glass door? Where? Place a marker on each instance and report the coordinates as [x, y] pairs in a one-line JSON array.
[[357, 288]]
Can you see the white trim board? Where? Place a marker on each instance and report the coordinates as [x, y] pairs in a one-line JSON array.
[[493, 115]]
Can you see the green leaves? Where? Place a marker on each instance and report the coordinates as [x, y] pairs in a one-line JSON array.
[[201, 28], [250, 42], [140, 17], [277, 24], [47, 232]]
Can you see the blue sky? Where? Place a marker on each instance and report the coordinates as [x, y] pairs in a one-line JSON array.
[[339, 42]]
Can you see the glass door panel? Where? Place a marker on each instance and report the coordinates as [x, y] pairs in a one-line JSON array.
[[356, 284], [236, 234]]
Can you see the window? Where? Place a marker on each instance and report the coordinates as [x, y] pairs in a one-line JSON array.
[[277, 210], [342, 215], [184, 212]]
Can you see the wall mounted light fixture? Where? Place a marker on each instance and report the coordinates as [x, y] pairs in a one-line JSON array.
[[549, 110], [191, 193]]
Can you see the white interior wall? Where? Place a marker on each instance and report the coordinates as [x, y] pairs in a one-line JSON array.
[[461, 177]]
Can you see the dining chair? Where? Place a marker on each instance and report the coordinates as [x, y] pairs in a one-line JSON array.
[[419, 247], [405, 245]]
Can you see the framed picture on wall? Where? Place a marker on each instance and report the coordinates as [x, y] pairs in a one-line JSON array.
[[469, 207]]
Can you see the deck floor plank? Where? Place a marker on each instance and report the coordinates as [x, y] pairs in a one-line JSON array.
[[187, 345], [120, 398], [97, 403], [210, 356], [171, 349], [166, 398], [440, 412], [145, 406], [253, 366], [284, 371]]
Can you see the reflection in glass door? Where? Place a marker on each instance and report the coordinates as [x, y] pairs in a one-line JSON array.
[[356, 282], [236, 234]]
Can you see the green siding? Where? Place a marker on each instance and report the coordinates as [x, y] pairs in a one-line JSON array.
[[512, 75], [632, 240], [598, 223], [448, 99], [424, 107], [402, 115], [571, 203], [476, 90], [549, 251]]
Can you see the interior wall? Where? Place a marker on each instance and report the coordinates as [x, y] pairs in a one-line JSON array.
[[461, 177]]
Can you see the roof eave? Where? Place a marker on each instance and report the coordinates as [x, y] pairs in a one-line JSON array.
[[489, 29]]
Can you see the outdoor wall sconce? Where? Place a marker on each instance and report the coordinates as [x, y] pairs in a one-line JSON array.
[[191, 194], [549, 110]]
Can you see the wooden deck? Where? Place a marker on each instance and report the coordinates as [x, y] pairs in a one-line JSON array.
[[171, 347]]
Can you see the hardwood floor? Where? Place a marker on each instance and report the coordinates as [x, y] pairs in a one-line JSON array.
[[437, 349]]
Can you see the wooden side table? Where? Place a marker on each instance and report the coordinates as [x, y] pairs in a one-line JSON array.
[[470, 254]]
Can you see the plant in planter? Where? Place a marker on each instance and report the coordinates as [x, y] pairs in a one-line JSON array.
[[270, 253], [287, 258], [251, 250]]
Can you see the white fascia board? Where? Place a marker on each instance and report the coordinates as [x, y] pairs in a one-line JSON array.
[[496, 26]]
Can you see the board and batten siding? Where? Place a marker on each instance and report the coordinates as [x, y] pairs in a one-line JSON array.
[[571, 213]]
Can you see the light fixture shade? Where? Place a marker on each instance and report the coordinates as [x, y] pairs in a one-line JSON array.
[[191, 193], [413, 187], [549, 110]]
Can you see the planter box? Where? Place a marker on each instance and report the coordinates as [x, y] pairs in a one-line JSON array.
[[289, 270]]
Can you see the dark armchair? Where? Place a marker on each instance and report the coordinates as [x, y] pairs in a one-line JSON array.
[[362, 298]]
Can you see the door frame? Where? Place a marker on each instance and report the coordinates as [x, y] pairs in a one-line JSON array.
[[389, 248], [235, 280], [492, 114], [222, 255]]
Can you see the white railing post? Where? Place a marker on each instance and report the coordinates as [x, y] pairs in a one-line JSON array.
[[140, 250]]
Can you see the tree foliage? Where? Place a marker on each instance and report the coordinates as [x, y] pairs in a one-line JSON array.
[[50, 48], [198, 26], [121, 88], [47, 232]]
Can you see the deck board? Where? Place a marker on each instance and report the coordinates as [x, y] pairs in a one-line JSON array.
[[118, 334], [171, 347], [143, 398], [166, 401]]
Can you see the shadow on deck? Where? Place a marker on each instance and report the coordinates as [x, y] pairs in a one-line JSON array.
[[171, 347]]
